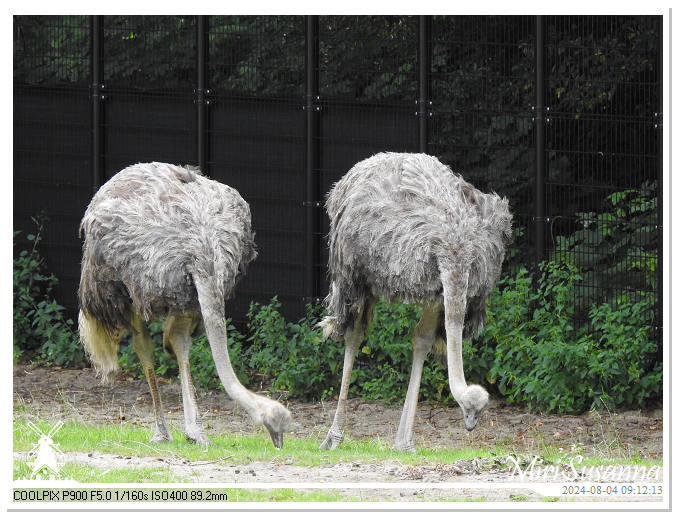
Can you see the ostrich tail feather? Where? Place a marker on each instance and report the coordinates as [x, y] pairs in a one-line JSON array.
[[329, 327], [439, 350], [101, 345]]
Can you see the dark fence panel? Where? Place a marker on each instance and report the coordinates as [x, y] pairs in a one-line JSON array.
[[52, 176], [51, 139], [146, 127], [150, 52], [469, 98], [482, 94], [257, 147], [602, 153]]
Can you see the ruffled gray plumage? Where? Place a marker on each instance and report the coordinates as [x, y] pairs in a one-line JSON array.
[[148, 231], [395, 218]]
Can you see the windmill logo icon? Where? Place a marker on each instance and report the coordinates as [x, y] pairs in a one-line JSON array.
[[46, 465]]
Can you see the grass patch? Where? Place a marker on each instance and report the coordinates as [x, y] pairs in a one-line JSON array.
[[237, 449], [84, 473], [129, 440]]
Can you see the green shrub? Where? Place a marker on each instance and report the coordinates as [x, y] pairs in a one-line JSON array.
[[293, 356], [530, 350], [39, 325], [203, 369], [617, 247], [540, 359]]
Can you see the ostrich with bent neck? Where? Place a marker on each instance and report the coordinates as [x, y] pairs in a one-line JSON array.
[[405, 227], [164, 241]]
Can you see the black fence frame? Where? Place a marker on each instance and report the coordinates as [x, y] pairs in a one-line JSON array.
[[313, 105], [312, 108]]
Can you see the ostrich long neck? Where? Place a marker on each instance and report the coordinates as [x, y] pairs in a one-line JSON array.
[[215, 328], [220, 354], [456, 379], [455, 302]]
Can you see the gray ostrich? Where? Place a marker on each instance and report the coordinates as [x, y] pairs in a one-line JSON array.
[[405, 227], [164, 241]]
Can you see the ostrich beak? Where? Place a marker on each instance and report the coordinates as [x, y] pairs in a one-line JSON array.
[[470, 422], [276, 436]]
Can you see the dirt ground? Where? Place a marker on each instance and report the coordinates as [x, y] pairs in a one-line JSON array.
[[54, 393]]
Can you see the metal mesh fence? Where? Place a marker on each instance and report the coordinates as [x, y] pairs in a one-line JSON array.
[[257, 55], [368, 58], [51, 139], [482, 94], [150, 52], [256, 136], [282, 124], [602, 153]]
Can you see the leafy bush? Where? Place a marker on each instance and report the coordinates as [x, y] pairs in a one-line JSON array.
[[617, 247], [296, 360], [39, 325], [203, 369], [537, 357], [293, 355], [531, 350]]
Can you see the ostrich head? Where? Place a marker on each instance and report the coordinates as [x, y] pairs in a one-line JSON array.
[[473, 402], [277, 419]]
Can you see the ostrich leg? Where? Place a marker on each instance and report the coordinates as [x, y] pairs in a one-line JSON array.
[[423, 339], [177, 330], [352, 340], [143, 346]]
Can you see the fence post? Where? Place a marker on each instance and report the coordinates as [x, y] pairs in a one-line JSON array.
[[312, 202], [540, 137], [96, 100], [202, 92], [423, 102]]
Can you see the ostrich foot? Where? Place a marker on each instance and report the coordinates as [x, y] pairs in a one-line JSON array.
[[332, 440], [405, 446], [199, 438], [161, 435]]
